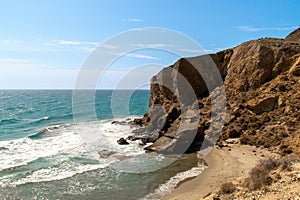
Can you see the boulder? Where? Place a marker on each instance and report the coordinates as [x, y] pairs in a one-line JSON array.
[[151, 138], [266, 104], [138, 121], [160, 144], [122, 141]]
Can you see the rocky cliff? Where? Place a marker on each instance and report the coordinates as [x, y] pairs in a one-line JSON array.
[[250, 92]]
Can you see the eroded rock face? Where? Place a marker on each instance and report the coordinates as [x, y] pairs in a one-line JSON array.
[[294, 36], [256, 62], [261, 79], [295, 69]]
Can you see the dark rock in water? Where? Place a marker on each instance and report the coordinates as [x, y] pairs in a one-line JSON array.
[[122, 141], [134, 138], [160, 144], [118, 122], [131, 138], [138, 121], [145, 138], [106, 153], [139, 131], [152, 138], [3, 148]]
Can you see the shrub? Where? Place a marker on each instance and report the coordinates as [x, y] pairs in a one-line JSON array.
[[286, 163], [269, 163], [259, 178], [227, 188]]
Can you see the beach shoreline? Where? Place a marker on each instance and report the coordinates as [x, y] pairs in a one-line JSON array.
[[224, 165]]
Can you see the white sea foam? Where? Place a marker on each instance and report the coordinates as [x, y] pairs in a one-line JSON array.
[[170, 185], [58, 145], [19, 152], [50, 174]]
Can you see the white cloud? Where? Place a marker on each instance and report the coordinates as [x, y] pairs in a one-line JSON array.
[[70, 42], [81, 45], [141, 56], [134, 20], [68, 45], [255, 29], [67, 42], [199, 51], [133, 55], [157, 45]]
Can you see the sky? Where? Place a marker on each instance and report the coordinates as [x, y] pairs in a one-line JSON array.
[[43, 44]]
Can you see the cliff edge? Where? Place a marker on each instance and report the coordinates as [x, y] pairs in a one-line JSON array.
[[261, 80]]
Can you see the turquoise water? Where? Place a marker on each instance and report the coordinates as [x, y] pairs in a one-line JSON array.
[[25, 112], [45, 154]]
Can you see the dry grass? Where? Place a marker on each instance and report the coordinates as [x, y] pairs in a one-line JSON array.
[[259, 176]]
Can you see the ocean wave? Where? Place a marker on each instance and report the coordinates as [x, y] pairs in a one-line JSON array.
[[171, 184], [39, 120], [47, 132], [42, 119], [9, 121], [25, 150], [62, 151], [51, 118], [31, 121], [14, 108], [47, 172], [26, 166]]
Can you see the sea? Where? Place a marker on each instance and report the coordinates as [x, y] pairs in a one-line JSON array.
[[46, 153]]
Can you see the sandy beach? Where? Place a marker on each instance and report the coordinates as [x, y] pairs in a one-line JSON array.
[[224, 165]]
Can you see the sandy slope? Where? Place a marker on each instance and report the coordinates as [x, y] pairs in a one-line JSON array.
[[224, 165]]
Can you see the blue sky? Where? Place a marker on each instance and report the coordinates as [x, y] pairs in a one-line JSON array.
[[44, 43]]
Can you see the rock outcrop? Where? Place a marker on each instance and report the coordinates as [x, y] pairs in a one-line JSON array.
[[261, 79], [294, 36]]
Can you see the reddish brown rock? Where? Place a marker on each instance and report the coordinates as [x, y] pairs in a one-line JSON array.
[[295, 69], [262, 83], [294, 36]]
